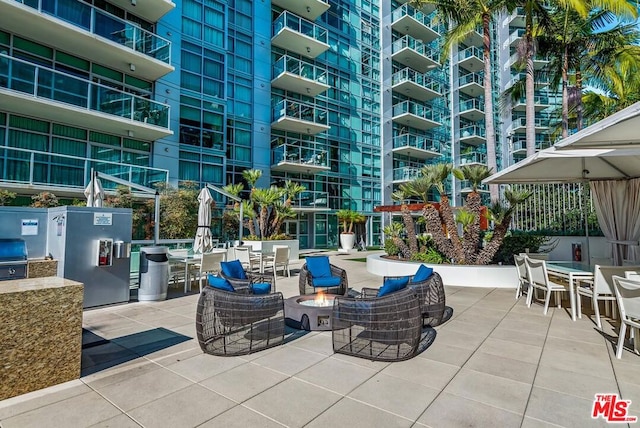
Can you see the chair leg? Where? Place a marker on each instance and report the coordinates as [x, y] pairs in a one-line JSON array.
[[530, 295], [623, 332], [519, 290], [547, 299], [579, 305], [596, 310]]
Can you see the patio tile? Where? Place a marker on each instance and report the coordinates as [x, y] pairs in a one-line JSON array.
[[375, 365], [244, 381], [445, 353], [203, 366], [65, 413], [109, 354], [170, 321], [426, 372], [518, 336], [293, 402], [401, 397], [492, 390], [120, 421], [561, 409], [516, 351], [529, 422], [321, 343], [531, 327], [627, 368], [568, 382], [183, 408], [175, 353], [43, 397], [289, 360], [449, 410], [565, 360], [630, 391], [124, 371], [589, 335], [584, 349], [336, 375], [353, 414], [459, 339], [134, 392], [507, 368], [240, 417]]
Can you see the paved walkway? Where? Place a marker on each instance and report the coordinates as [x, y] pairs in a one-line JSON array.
[[496, 363]]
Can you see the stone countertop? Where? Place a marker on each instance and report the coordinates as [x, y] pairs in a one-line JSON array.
[[31, 284]]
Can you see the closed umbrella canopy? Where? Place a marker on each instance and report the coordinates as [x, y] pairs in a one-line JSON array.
[[95, 197], [202, 242]]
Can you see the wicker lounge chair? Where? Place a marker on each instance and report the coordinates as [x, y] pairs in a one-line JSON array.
[[308, 284], [380, 328], [232, 323], [243, 281]]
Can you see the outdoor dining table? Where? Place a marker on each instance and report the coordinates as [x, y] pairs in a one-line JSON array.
[[189, 261], [572, 272]]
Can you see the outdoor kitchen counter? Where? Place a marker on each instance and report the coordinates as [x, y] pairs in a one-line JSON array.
[[41, 333]]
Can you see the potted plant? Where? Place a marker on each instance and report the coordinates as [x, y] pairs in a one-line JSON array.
[[348, 218]]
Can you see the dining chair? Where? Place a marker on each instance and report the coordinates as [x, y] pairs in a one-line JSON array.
[[249, 261], [627, 293], [600, 289], [279, 258], [539, 279], [523, 278], [177, 262], [210, 263]]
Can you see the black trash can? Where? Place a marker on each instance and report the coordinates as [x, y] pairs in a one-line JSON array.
[[154, 273]]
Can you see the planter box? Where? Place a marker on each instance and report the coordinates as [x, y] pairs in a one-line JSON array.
[[293, 244]]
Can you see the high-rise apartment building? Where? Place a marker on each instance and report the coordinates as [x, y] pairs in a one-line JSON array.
[[350, 98]]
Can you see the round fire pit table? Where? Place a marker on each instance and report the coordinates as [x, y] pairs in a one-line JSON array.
[[309, 312]]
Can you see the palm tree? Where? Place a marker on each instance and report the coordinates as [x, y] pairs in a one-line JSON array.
[[474, 174], [409, 225], [264, 199], [465, 16], [617, 90]]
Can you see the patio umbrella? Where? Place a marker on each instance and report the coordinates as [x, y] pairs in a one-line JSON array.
[[202, 242], [94, 192]]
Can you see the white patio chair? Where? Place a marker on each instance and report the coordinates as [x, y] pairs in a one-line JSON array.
[[601, 289], [177, 263], [628, 296], [523, 279], [280, 258], [539, 279], [210, 263], [249, 261]]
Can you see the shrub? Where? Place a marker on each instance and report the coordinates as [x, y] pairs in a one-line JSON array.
[[431, 255], [6, 197], [391, 248], [518, 242]]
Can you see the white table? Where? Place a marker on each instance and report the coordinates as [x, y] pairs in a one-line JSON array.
[[189, 261], [572, 272]]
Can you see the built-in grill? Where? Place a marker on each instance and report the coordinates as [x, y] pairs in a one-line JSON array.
[[13, 259]]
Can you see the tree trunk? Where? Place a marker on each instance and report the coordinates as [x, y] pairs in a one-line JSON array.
[[404, 250], [410, 228], [492, 162], [434, 227], [565, 92], [579, 118], [472, 235], [530, 110], [492, 247], [452, 228]]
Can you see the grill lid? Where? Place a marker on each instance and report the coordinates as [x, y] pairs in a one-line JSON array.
[[13, 250]]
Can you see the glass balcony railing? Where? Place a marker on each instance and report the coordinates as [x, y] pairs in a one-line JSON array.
[[427, 50], [311, 199], [537, 99], [541, 143], [521, 122], [410, 75], [43, 168], [470, 52], [466, 184], [406, 173], [417, 109], [477, 78], [472, 104], [473, 157], [296, 110], [42, 82], [299, 25], [473, 130], [517, 34], [416, 141], [308, 156], [430, 20], [299, 68], [101, 23]]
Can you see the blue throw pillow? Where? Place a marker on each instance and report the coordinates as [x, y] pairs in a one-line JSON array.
[[393, 284], [261, 288], [422, 274], [319, 266], [233, 269], [220, 283]]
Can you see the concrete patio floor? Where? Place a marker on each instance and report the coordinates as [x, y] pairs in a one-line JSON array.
[[496, 363]]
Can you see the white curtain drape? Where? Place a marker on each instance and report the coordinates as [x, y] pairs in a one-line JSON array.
[[203, 241], [617, 204]]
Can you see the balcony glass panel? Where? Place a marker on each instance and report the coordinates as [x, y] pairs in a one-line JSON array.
[[468, 131], [409, 74], [300, 25], [416, 141], [311, 199], [300, 68], [472, 104], [420, 110], [428, 50], [290, 153], [473, 157], [406, 173], [300, 111], [431, 20], [471, 78], [469, 52]]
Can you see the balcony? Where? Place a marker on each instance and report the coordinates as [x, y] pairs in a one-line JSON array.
[[516, 36], [473, 158], [311, 201], [407, 20], [34, 90], [466, 187], [415, 85], [471, 59], [539, 62], [416, 115], [415, 54], [472, 109], [292, 74], [293, 158], [520, 125], [474, 135], [522, 76], [309, 9], [150, 11], [517, 18], [416, 146], [91, 33], [427, 8], [297, 117], [67, 175], [474, 38], [471, 84], [519, 146], [540, 102], [298, 35], [405, 174]]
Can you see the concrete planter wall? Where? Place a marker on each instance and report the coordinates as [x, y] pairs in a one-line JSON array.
[[492, 276], [293, 244]]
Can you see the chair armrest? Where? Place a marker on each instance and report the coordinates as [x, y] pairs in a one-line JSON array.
[[369, 292]]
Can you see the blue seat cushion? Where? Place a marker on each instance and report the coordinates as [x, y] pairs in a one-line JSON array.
[[422, 274], [332, 281], [393, 284], [261, 288], [319, 267], [233, 269], [219, 283]]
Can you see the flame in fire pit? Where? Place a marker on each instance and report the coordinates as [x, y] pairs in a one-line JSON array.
[[320, 299]]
